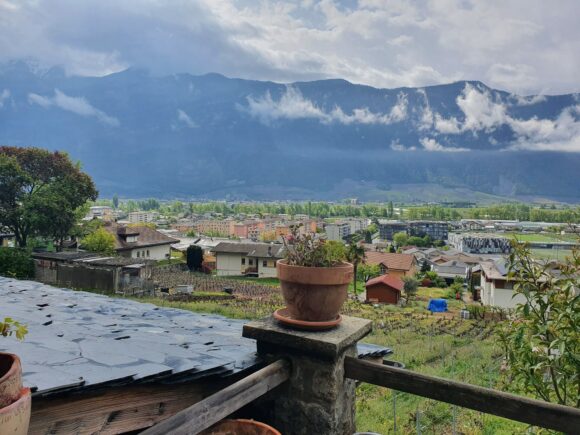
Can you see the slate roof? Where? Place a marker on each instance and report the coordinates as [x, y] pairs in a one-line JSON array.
[[451, 268], [79, 341], [391, 260], [261, 250], [145, 237]]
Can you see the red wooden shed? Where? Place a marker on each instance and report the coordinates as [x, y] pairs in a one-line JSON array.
[[385, 288]]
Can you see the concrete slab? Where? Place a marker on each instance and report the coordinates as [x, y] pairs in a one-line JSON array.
[[329, 343]]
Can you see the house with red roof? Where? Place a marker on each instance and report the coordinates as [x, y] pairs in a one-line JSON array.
[[384, 289]]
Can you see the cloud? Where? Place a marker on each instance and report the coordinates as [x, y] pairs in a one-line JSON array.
[[363, 115], [293, 105], [432, 145], [484, 112], [529, 100], [447, 125], [184, 117], [77, 105], [397, 146], [561, 134], [4, 95], [515, 77], [480, 110], [514, 44]]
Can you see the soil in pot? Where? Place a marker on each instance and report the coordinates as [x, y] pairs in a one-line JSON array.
[[314, 294]]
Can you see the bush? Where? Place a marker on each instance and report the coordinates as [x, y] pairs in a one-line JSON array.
[[16, 263]]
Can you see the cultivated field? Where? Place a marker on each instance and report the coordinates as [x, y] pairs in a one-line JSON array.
[[442, 344]]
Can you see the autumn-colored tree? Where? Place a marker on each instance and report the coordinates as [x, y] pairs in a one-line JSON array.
[[40, 193]]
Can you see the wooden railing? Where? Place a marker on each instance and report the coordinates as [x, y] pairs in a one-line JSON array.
[[212, 409], [535, 412]]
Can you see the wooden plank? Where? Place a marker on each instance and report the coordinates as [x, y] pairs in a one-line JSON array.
[[535, 412], [116, 409], [221, 404]]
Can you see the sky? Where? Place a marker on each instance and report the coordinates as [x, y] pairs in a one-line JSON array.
[[522, 46]]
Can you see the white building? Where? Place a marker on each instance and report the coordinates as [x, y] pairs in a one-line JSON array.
[[479, 243], [141, 217], [252, 259], [496, 289], [103, 212], [141, 242], [337, 231]]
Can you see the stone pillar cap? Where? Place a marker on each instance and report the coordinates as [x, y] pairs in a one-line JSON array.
[[329, 343]]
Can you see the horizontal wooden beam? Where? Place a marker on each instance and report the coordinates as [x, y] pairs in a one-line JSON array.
[[115, 409], [212, 409], [535, 412]]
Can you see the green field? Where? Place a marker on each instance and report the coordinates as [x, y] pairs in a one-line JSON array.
[[441, 345]]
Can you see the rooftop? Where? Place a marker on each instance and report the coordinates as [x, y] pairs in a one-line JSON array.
[[261, 250], [390, 280], [79, 341], [391, 260], [146, 237]]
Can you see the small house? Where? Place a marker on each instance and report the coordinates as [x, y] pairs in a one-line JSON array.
[[394, 264], [384, 289]]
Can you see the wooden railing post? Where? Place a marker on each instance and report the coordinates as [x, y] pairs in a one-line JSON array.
[[317, 399]]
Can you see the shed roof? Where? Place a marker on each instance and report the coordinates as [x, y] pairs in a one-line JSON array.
[[391, 280]]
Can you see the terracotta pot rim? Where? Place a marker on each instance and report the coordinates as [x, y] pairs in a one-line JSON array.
[[251, 422], [344, 264], [13, 368], [24, 395]]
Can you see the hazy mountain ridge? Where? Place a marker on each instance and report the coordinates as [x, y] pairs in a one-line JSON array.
[[210, 135]]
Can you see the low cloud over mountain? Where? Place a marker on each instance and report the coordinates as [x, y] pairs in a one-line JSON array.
[[140, 134]]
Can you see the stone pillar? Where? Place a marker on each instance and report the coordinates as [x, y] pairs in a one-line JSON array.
[[317, 399]]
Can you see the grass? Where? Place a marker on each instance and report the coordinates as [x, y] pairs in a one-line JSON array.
[[551, 254], [273, 282], [435, 344]]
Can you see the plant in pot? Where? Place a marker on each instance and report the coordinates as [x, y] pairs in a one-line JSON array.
[[15, 402], [314, 278]]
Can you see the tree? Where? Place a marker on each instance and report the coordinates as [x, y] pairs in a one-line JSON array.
[[16, 263], [410, 286], [541, 343], [400, 239], [391, 209], [194, 255], [99, 240], [40, 193], [368, 271], [355, 254], [115, 201]]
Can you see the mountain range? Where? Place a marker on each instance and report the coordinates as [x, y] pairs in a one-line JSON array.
[[209, 136]]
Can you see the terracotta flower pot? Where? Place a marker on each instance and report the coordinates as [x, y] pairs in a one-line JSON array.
[[240, 427], [15, 418], [10, 378], [314, 294]]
